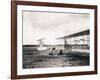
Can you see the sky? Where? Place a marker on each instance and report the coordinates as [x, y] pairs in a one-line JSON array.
[[51, 25]]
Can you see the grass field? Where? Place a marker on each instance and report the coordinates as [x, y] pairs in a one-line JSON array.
[[33, 58]]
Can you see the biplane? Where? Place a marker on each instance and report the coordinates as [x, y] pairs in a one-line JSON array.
[[72, 42], [41, 44]]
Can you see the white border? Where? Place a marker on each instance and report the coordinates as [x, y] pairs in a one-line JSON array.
[[21, 71]]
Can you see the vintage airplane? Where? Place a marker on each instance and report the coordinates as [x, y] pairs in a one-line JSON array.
[[75, 46], [41, 47]]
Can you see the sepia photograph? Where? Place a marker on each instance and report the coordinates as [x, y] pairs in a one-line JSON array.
[[55, 39]]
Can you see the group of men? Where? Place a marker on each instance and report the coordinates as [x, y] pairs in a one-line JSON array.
[[54, 51]]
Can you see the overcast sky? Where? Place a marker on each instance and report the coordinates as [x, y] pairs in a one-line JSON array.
[[50, 25]]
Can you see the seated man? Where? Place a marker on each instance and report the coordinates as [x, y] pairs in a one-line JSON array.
[[60, 52], [52, 51]]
